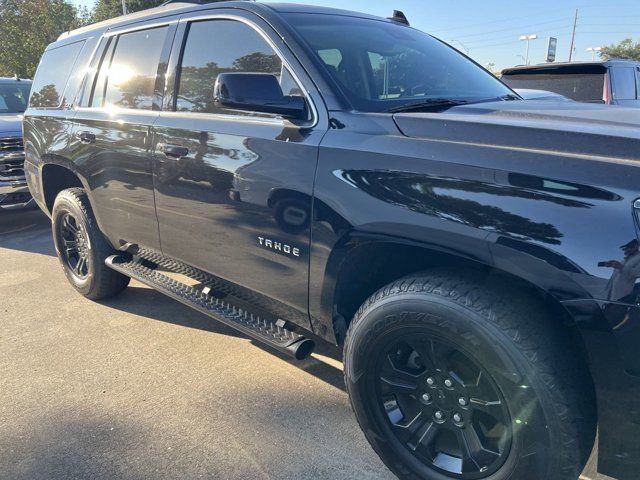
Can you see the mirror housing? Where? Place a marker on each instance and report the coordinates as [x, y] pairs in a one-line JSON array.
[[257, 92]]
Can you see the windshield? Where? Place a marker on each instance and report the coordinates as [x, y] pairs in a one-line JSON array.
[[14, 97], [381, 66]]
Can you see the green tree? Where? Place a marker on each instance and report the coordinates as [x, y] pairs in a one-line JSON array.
[[625, 49], [258, 62], [106, 9], [48, 96], [27, 27]]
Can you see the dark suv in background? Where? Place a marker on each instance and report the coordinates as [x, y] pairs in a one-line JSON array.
[[14, 95], [305, 174], [613, 82]]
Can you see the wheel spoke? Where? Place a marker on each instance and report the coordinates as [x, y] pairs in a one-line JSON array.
[[432, 353], [483, 397], [68, 243], [394, 379], [492, 408], [418, 431], [474, 454], [399, 386], [467, 450], [79, 268], [66, 223], [423, 435]]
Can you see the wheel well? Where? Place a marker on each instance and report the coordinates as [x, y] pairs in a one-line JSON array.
[[372, 266], [284, 193], [56, 178]]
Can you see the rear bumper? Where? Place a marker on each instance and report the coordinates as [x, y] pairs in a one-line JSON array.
[[611, 332]]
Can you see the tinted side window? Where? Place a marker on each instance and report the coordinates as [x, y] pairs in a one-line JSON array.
[[52, 75], [237, 48], [624, 83], [127, 75]]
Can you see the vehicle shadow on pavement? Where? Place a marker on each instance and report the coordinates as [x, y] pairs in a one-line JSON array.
[[27, 231], [146, 302], [70, 445]]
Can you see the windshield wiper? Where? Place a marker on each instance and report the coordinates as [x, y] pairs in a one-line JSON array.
[[431, 103]]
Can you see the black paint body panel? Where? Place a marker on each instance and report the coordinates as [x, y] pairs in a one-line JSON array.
[[538, 190]]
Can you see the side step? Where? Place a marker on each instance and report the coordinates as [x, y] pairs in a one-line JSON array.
[[272, 333]]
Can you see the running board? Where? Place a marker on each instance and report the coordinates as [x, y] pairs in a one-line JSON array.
[[273, 334]]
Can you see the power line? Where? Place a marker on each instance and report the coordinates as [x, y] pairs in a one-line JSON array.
[[519, 27], [506, 37], [510, 19]]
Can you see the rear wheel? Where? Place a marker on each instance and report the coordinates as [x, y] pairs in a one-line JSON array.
[[453, 377], [82, 248]]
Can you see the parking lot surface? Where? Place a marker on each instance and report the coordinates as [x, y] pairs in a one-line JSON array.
[[140, 386]]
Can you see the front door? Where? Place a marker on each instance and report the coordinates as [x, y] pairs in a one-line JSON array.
[[234, 188], [111, 141]]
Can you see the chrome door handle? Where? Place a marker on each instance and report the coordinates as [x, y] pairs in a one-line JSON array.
[[86, 137], [173, 151]]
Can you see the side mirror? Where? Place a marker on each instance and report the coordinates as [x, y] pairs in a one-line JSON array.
[[257, 92]]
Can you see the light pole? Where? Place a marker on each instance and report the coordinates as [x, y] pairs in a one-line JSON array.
[[466, 50], [593, 51], [528, 39]]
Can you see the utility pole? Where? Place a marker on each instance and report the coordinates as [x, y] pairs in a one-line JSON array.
[[124, 7], [573, 35]]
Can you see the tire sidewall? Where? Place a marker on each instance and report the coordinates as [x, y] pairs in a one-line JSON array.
[[458, 325]]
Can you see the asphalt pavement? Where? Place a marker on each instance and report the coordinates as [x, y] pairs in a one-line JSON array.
[[142, 387]]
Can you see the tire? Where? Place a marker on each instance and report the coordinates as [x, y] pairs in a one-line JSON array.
[[456, 375], [82, 254]]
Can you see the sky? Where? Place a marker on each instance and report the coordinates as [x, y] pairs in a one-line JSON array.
[[488, 30]]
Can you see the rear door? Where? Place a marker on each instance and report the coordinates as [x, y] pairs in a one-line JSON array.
[[234, 188], [111, 141]]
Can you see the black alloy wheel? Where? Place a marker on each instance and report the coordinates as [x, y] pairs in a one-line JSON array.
[[75, 245], [443, 407]]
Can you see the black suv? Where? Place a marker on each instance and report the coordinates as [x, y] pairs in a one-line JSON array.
[[306, 174]]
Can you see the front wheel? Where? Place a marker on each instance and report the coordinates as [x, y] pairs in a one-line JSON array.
[[82, 248], [454, 377]]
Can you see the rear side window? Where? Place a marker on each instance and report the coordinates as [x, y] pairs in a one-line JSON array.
[[624, 83], [127, 74], [237, 48], [52, 76]]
